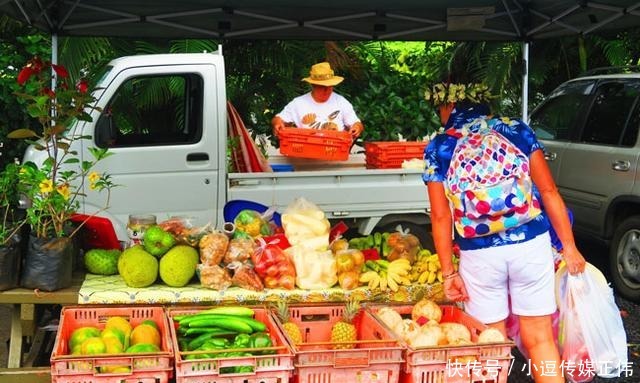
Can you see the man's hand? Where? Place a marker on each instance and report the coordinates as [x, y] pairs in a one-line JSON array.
[[356, 129], [278, 124]]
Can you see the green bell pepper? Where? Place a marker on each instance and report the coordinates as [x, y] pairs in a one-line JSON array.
[[261, 340], [242, 341]]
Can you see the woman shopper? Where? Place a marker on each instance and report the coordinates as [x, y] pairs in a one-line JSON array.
[[487, 179]]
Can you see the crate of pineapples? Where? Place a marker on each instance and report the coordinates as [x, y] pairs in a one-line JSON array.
[[445, 344], [339, 343]]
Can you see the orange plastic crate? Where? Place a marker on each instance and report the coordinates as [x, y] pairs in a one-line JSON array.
[[376, 356], [438, 364], [65, 368], [273, 368], [320, 144], [391, 154]]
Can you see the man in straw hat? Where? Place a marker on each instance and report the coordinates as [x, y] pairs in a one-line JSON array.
[[321, 108]]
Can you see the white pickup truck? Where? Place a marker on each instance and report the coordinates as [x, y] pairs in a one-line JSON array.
[[170, 155]]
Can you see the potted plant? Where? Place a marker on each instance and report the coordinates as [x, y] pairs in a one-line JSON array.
[[445, 95], [11, 221], [54, 186]]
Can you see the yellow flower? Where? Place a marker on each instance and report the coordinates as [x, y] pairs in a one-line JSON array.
[[93, 177], [506, 120], [64, 191], [46, 186], [92, 186]]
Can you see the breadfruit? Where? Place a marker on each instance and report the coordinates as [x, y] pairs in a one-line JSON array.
[[137, 267], [178, 265], [102, 261]]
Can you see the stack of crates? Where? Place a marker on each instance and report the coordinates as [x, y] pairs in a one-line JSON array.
[[331, 145], [391, 154], [376, 356], [487, 362]]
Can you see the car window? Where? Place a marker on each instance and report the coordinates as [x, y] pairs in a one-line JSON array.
[[153, 110], [556, 117], [613, 117]]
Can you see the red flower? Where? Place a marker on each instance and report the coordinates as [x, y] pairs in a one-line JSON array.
[[49, 92], [25, 74], [60, 70], [82, 86]]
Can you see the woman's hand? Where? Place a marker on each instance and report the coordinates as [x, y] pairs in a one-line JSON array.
[[573, 259], [454, 288]]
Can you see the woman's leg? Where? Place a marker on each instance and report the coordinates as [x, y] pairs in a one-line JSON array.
[[537, 337]]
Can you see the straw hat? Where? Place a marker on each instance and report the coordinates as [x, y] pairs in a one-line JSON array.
[[322, 74]]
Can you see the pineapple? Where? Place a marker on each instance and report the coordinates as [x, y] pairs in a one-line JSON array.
[[290, 328], [345, 330]]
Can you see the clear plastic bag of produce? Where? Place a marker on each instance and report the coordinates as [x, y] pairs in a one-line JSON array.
[[244, 276], [214, 277], [184, 231], [315, 269], [213, 247], [402, 244], [254, 224], [592, 331], [239, 250], [305, 224], [275, 268]]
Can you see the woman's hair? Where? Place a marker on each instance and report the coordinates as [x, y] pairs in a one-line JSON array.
[[465, 111]]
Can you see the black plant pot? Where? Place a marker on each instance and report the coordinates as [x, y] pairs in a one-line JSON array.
[[48, 263], [10, 263]]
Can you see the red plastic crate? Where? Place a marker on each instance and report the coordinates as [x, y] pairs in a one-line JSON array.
[[391, 154], [153, 367], [377, 356], [438, 364], [315, 143], [273, 368]]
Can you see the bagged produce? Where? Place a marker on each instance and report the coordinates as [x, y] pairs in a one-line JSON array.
[[305, 224], [349, 264], [213, 247], [402, 244], [315, 269], [253, 223], [274, 267], [183, 230], [214, 277], [244, 276], [239, 250]]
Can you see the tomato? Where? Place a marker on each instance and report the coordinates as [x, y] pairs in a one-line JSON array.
[[285, 269], [270, 282], [272, 271]]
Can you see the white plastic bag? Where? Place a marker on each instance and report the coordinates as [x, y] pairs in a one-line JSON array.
[[588, 309]]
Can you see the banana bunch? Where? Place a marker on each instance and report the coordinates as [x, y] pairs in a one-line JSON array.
[[427, 268], [383, 274]]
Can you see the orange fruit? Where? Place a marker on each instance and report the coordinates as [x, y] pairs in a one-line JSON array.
[[113, 333], [121, 324], [151, 323], [113, 346], [145, 333]]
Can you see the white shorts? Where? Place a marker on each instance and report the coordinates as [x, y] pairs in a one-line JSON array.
[[524, 271]]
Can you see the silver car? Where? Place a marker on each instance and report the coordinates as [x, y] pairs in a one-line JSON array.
[[589, 127]]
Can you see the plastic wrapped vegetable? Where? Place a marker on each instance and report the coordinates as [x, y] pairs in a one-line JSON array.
[[214, 277], [239, 250], [402, 245], [274, 266], [252, 223], [213, 247], [245, 277], [315, 269], [183, 230], [305, 224]]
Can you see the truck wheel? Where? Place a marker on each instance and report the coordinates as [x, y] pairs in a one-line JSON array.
[[423, 232], [624, 258]]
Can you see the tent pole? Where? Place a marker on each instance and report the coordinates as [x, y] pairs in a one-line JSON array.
[[525, 81], [54, 56]]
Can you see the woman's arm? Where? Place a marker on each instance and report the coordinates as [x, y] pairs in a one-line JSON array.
[[556, 210]]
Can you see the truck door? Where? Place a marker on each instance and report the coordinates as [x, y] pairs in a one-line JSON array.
[[601, 163], [164, 159]]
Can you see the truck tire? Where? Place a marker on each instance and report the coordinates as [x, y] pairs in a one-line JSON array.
[[624, 258], [423, 232]]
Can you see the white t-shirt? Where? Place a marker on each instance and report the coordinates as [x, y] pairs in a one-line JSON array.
[[336, 113]]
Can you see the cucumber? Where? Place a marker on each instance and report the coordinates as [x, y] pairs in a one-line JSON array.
[[199, 341], [230, 310], [256, 325], [232, 324], [203, 330]]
